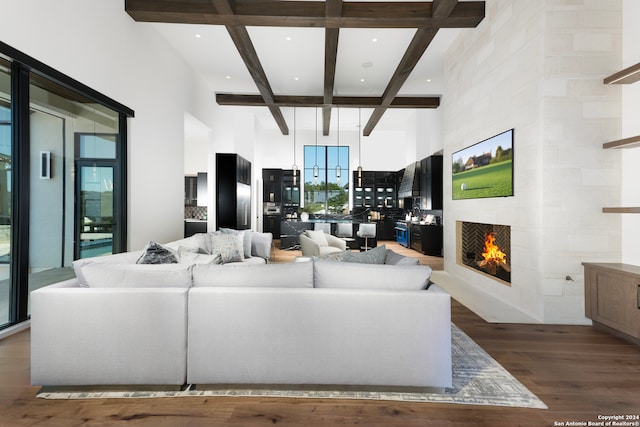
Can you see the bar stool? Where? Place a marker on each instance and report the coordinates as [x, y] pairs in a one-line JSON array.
[[344, 230], [366, 231]]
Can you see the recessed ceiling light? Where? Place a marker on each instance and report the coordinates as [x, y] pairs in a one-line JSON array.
[[228, 77], [375, 39], [288, 38], [296, 78], [198, 36], [362, 80], [428, 80]]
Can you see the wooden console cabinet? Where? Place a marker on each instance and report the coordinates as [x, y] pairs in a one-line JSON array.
[[612, 298]]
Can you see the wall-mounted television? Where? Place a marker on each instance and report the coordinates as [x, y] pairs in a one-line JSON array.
[[484, 169]]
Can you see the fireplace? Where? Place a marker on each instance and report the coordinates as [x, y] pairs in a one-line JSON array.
[[485, 248]]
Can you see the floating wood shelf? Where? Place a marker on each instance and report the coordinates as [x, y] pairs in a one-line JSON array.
[[627, 76], [634, 210], [631, 142]]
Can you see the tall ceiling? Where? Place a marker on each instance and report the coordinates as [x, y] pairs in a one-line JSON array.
[[382, 59]]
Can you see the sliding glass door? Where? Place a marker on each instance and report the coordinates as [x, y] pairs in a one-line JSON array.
[[5, 190], [62, 178]]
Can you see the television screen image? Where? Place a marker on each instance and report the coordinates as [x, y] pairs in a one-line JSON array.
[[484, 169]]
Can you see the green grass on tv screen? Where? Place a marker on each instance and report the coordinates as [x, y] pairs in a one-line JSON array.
[[494, 180]]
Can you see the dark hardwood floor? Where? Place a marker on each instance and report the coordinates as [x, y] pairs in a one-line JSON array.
[[580, 373]]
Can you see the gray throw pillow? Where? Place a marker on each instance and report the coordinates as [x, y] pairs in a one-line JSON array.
[[397, 259], [228, 245], [377, 255], [155, 253], [246, 239]]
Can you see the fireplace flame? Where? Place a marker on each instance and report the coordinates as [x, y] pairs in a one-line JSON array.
[[492, 254]]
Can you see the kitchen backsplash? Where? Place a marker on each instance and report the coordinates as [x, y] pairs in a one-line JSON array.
[[195, 212]]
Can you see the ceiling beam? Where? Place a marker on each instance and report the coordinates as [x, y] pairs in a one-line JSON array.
[[276, 13], [421, 40], [242, 41], [236, 100], [331, 35]]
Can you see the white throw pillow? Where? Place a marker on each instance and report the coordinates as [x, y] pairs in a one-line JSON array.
[[100, 275], [290, 275], [336, 274]]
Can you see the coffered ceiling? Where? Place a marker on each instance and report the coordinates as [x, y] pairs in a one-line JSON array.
[[378, 56]]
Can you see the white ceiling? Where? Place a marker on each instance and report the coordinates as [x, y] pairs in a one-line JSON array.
[[293, 60]]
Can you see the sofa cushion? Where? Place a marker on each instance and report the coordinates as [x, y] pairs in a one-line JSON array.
[[155, 253], [100, 275], [290, 275], [246, 239], [188, 257], [228, 245], [394, 258], [122, 258], [198, 242], [261, 245], [318, 237], [376, 255], [336, 274]]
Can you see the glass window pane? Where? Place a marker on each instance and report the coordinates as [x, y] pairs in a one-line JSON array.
[[5, 189], [328, 193], [96, 146]]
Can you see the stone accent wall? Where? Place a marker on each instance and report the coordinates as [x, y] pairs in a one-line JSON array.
[[537, 67]]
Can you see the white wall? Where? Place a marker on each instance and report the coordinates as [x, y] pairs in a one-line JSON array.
[[538, 67], [630, 127], [98, 44]]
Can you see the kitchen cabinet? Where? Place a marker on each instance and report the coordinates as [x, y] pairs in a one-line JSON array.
[[426, 239], [377, 190], [195, 190], [431, 183], [290, 191], [193, 226], [190, 190], [233, 192], [272, 185], [612, 298]]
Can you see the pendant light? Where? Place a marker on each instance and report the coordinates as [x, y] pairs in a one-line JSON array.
[[316, 169], [294, 167], [338, 155], [359, 149]]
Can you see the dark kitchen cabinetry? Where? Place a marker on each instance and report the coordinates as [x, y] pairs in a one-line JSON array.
[[386, 229], [426, 239], [377, 190], [431, 183], [233, 192], [272, 185], [192, 227], [290, 191], [195, 190], [190, 190]]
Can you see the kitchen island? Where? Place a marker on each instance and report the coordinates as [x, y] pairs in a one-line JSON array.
[[290, 230]]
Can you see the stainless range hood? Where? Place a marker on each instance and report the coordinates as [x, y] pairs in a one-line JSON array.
[[410, 185]]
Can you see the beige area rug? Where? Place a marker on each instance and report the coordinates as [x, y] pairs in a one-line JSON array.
[[477, 380]]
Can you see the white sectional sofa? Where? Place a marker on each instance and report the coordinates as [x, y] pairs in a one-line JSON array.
[[319, 322]]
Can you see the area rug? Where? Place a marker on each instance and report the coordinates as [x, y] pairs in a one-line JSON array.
[[477, 380]]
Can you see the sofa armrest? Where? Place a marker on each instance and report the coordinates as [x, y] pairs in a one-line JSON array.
[[261, 244], [308, 246], [336, 242], [99, 336]]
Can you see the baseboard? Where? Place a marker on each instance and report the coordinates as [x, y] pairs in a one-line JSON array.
[[11, 330]]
